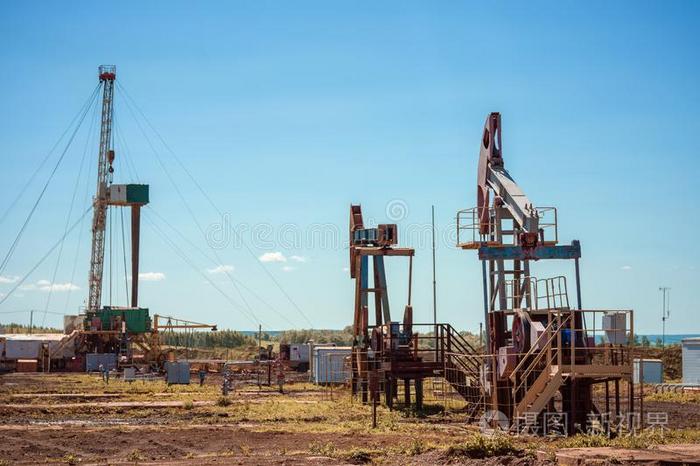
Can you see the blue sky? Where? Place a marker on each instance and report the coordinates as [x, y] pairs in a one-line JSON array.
[[287, 112]]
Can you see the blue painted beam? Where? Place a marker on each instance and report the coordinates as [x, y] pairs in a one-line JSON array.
[[572, 251]]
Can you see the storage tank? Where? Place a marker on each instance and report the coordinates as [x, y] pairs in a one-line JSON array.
[[652, 370], [329, 364], [691, 360]]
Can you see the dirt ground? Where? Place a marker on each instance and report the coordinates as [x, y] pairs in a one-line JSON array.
[[78, 419]]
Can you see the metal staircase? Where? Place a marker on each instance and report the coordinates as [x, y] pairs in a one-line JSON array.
[[538, 376], [461, 364], [538, 396]]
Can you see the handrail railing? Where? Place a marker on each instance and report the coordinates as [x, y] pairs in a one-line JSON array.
[[464, 347], [469, 227], [533, 348], [546, 350], [556, 294]]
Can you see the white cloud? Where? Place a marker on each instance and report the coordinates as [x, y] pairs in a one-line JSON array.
[[45, 285], [6, 279], [151, 276], [346, 269], [288, 268], [221, 269], [626, 267], [273, 257], [299, 258]]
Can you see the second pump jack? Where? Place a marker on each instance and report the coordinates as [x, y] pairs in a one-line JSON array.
[[389, 355]]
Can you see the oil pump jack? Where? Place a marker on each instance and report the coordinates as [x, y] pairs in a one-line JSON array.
[[373, 346], [543, 355], [389, 352], [112, 329]]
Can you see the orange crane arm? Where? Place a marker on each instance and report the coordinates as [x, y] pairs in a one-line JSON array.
[[179, 324]]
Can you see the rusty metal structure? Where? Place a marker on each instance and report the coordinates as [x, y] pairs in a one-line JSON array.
[[387, 353], [543, 355]]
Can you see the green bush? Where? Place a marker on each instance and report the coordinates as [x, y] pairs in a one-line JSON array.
[[480, 446]]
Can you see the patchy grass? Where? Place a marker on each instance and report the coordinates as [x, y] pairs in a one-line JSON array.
[[585, 441], [354, 455], [672, 397], [417, 447], [305, 409], [323, 449], [135, 456], [360, 455], [480, 446], [71, 459]]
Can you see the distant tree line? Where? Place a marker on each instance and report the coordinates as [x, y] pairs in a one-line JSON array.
[[207, 339], [339, 337], [344, 337], [22, 328]]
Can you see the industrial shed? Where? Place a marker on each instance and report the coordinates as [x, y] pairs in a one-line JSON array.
[[691, 360], [23, 346]]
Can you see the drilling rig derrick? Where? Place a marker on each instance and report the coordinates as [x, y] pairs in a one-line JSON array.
[[113, 328]]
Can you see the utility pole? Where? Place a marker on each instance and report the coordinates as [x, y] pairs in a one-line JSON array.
[[665, 312], [31, 320], [434, 283]]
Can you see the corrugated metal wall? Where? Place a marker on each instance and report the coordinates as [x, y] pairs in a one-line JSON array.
[[178, 372], [691, 361], [329, 364], [299, 352], [22, 349], [93, 361]]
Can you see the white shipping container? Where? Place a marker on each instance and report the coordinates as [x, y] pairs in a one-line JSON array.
[[691, 360], [329, 364], [299, 352], [652, 370], [28, 346], [22, 349]]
